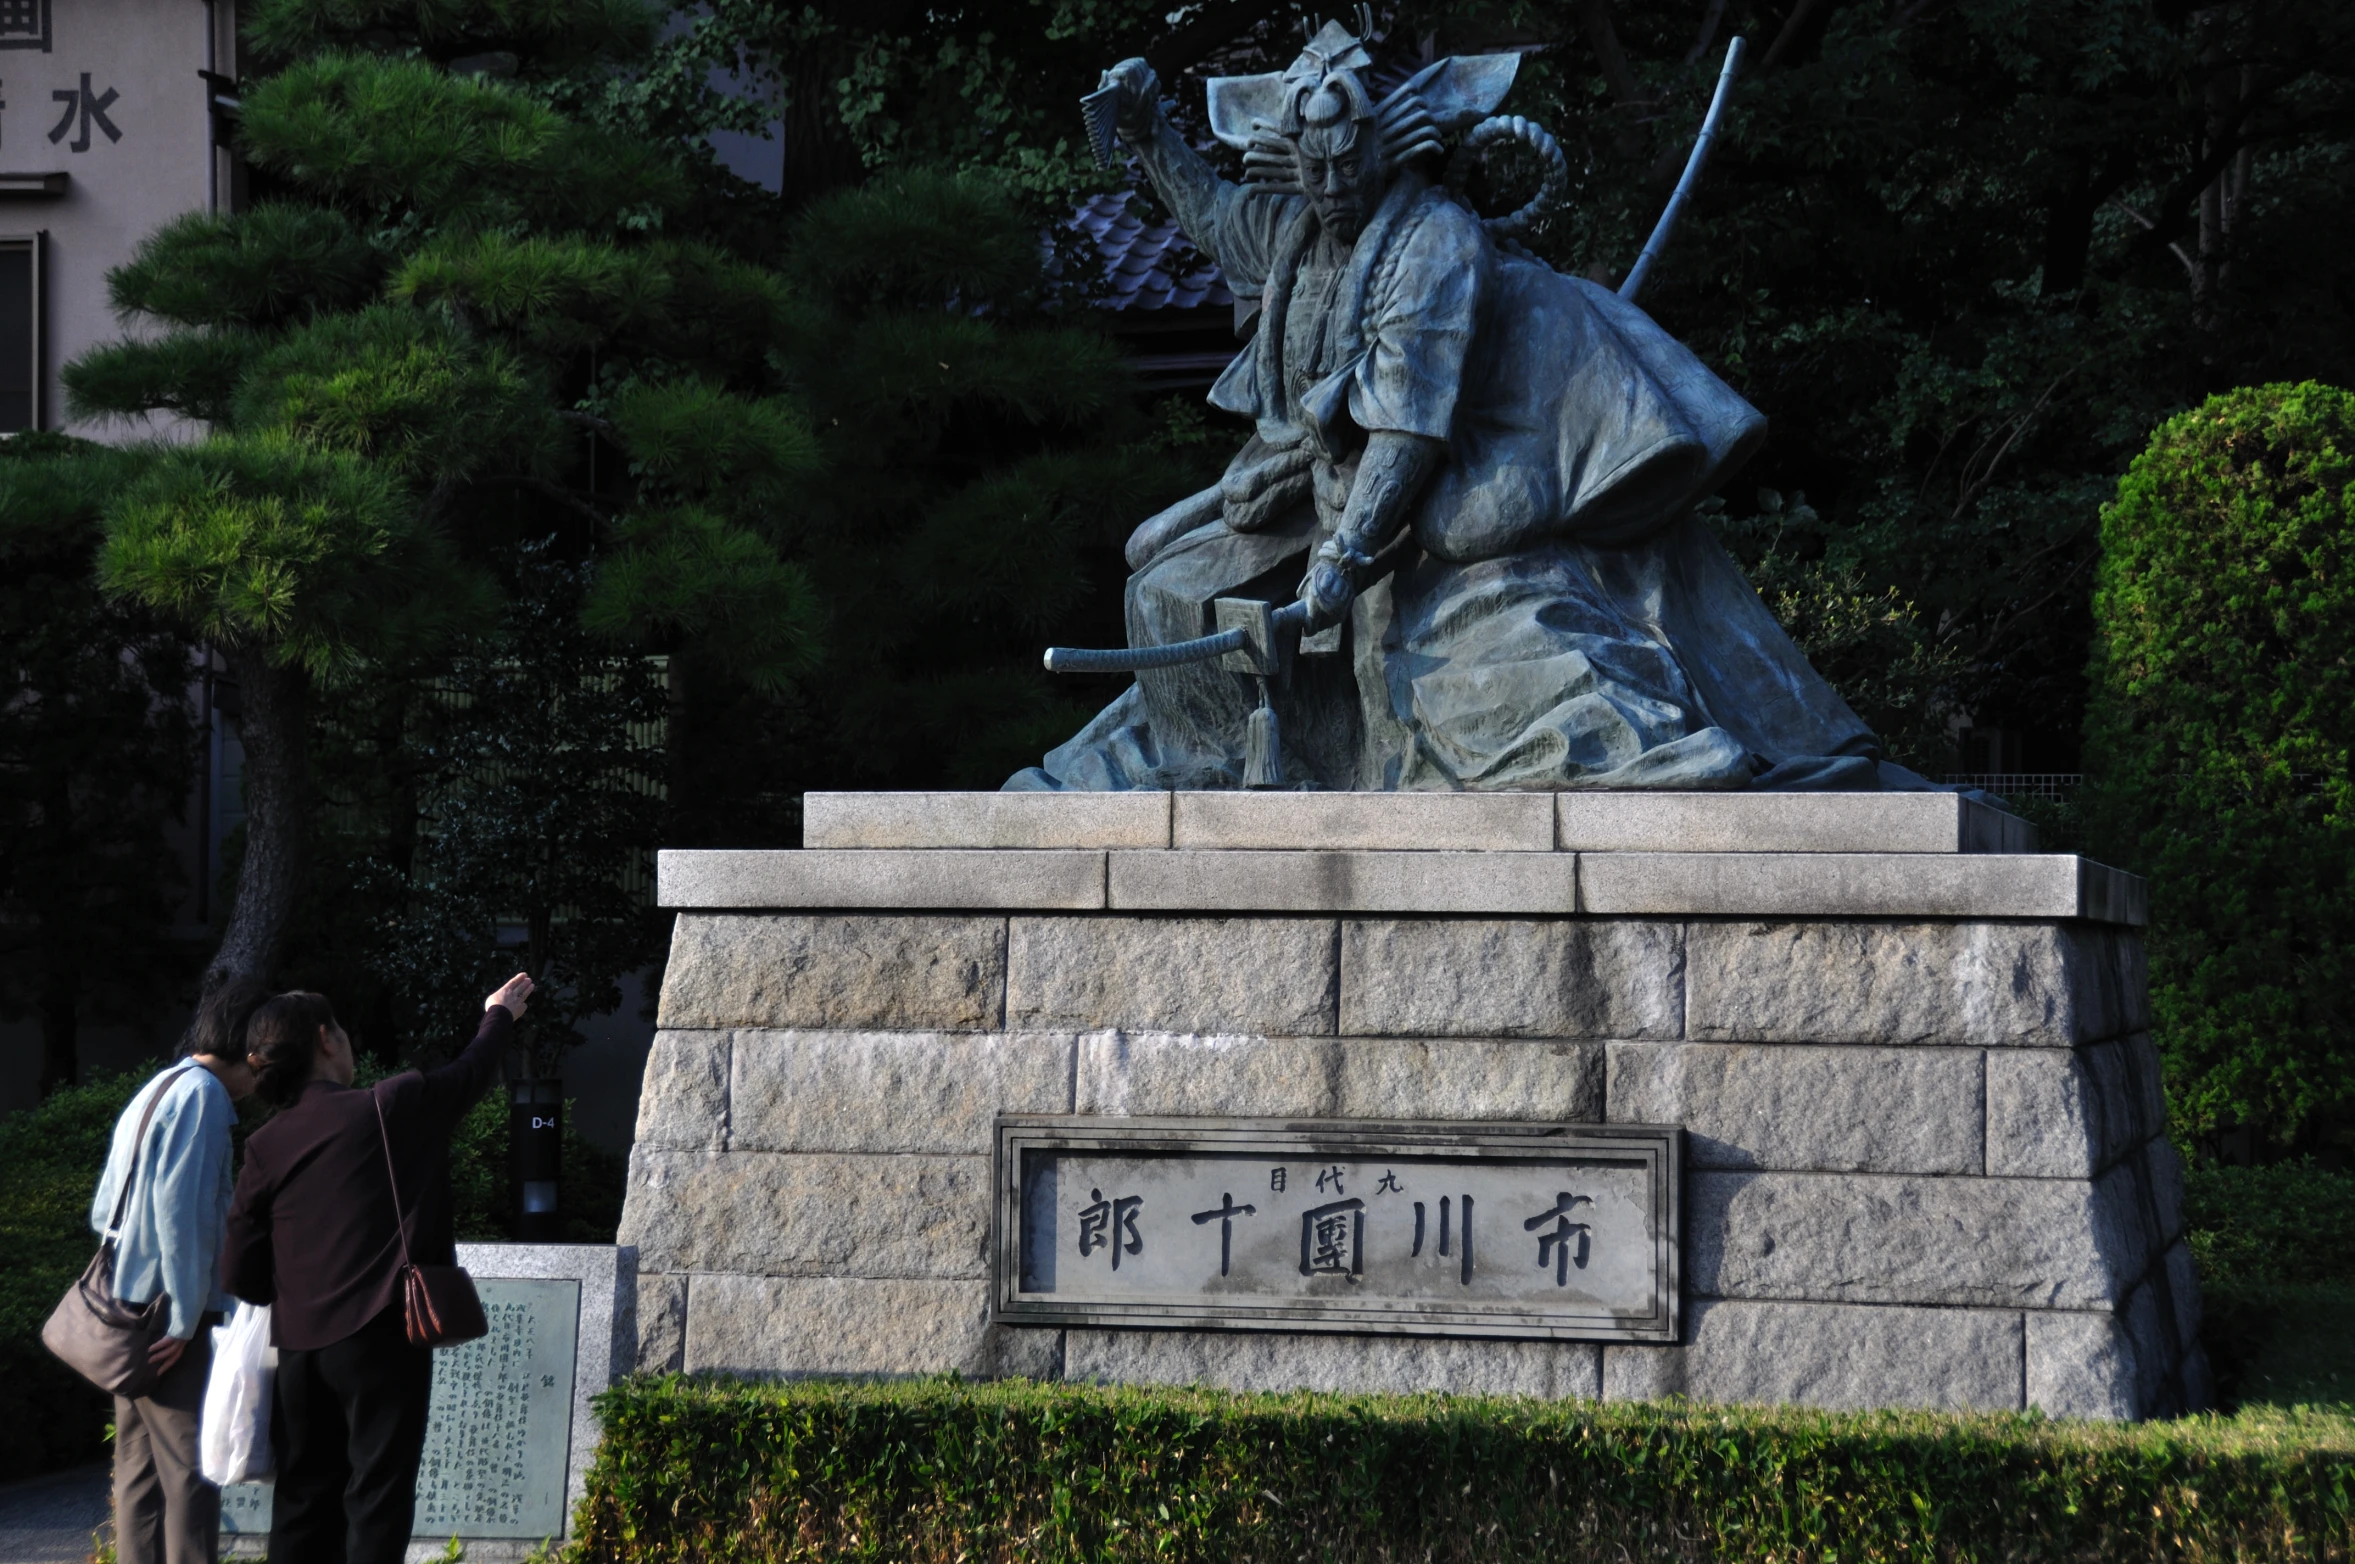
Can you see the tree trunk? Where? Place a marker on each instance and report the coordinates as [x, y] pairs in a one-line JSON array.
[[2219, 204], [274, 729], [819, 158], [1603, 37]]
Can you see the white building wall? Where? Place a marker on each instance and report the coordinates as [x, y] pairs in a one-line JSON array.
[[160, 161]]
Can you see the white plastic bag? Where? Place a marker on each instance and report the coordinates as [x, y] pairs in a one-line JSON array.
[[235, 1430]]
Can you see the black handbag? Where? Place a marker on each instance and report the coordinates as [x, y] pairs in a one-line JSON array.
[[439, 1306], [92, 1331]]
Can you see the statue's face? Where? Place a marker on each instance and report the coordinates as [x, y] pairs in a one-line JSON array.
[[1341, 171]]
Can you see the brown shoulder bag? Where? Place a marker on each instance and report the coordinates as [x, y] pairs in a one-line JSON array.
[[438, 1302], [95, 1333]]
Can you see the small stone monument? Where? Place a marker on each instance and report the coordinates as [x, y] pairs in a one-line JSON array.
[[511, 1431], [1836, 1099]]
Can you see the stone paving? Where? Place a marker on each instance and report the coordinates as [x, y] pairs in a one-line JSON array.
[[54, 1519]]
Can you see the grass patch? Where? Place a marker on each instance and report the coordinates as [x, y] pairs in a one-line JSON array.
[[2281, 1344], [943, 1472]]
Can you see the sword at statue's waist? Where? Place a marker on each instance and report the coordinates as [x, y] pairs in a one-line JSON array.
[[1129, 659]]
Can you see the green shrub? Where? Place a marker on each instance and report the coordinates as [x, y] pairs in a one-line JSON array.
[[2292, 1222], [2218, 734], [481, 1198], [588, 1199], [50, 1159], [940, 1471]]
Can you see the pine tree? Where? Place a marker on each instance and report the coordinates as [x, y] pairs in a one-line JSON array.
[[455, 318]]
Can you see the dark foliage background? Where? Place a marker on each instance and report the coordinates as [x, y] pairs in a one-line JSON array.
[[97, 745]]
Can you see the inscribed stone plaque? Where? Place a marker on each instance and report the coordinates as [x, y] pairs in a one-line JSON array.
[[500, 1428], [1555, 1231], [502, 1418]]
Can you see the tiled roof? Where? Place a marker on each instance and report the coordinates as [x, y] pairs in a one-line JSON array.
[[1147, 266]]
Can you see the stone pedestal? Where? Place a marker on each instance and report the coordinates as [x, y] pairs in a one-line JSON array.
[[1923, 1119]]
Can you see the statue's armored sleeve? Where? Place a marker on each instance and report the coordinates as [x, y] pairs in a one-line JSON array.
[[1421, 309]]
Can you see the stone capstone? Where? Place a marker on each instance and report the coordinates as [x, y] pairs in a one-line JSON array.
[[992, 820], [1881, 823], [1380, 822]]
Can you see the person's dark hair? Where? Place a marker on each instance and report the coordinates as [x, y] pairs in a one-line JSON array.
[[282, 1041], [218, 1032]]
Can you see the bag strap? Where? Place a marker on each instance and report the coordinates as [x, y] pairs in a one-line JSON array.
[[400, 1221], [122, 1199]]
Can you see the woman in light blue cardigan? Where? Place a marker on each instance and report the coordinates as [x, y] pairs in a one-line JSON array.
[[181, 1180]]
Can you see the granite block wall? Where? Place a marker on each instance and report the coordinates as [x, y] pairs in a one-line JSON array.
[[1925, 1159]]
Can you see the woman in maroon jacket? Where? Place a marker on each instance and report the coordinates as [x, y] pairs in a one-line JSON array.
[[312, 1231]]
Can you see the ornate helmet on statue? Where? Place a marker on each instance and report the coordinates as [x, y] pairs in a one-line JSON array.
[[1264, 117]]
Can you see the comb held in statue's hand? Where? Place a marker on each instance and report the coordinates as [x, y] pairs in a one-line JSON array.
[[1098, 109]]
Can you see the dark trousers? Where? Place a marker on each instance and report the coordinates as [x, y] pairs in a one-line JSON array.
[[164, 1510], [350, 1432]]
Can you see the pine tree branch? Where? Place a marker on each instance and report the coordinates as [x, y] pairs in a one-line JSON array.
[[2175, 246]]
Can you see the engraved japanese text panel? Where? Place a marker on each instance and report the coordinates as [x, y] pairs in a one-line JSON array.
[[1556, 1231]]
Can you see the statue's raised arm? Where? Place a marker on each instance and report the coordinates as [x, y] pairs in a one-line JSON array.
[[1187, 184]]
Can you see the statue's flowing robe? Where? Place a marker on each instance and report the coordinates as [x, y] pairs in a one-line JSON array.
[[1555, 617]]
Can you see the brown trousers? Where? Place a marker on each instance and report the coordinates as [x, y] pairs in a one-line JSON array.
[[164, 1510]]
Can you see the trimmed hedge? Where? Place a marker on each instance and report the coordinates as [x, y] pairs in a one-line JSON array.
[[937, 1472], [2220, 752]]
